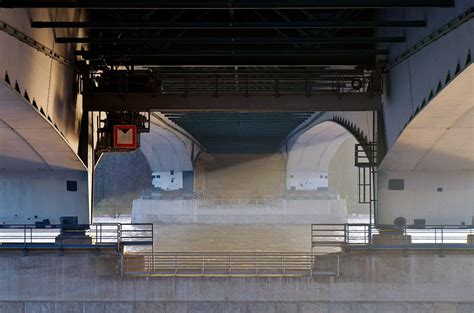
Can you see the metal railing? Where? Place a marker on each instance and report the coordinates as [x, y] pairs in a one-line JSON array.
[[245, 83], [230, 264], [241, 203], [100, 234], [365, 155], [406, 237]]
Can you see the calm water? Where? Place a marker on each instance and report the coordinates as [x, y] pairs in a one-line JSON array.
[[230, 237]]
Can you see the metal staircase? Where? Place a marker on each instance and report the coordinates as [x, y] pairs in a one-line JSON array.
[[366, 162]]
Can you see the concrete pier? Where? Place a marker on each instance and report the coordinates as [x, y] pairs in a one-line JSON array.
[[377, 283], [192, 211]]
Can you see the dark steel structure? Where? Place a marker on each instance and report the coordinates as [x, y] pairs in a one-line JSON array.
[[226, 57]]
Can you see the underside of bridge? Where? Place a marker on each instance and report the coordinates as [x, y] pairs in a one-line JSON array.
[[240, 99], [325, 144]]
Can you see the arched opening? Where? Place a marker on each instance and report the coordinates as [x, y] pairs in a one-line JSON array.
[[170, 161], [161, 165], [321, 165]]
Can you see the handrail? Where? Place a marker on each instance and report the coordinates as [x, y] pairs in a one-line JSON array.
[[227, 203], [230, 264], [231, 83], [361, 234], [98, 234]]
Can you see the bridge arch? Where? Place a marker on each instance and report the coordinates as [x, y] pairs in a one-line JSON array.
[[163, 150], [321, 159], [359, 124], [41, 176], [314, 148], [428, 173]]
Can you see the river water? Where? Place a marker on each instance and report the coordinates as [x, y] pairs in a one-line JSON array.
[[231, 237]]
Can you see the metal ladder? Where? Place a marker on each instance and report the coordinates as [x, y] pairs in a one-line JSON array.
[[366, 161]]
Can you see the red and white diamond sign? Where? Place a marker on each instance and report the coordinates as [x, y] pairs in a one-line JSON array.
[[125, 136]]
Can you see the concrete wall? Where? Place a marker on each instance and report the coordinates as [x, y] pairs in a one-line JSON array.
[[307, 181], [378, 283], [230, 307], [27, 197], [194, 211], [422, 197]]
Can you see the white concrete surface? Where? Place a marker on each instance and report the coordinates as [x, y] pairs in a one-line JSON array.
[[452, 205], [308, 181], [24, 195], [190, 211], [169, 180]]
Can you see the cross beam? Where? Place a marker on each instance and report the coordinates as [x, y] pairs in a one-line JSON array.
[[236, 60], [230, 40], [224, 5], [232, 103], [212, 53], [140, 25]]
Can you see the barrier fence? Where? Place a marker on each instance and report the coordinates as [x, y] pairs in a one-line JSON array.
[[100, 234], [231, 264], [405, 237], [238, 203]]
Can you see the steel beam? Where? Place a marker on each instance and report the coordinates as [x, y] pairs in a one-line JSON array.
[[140, 25], [237, 40], [212, 53], [224, 5], [232, 103], [235, 60]]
